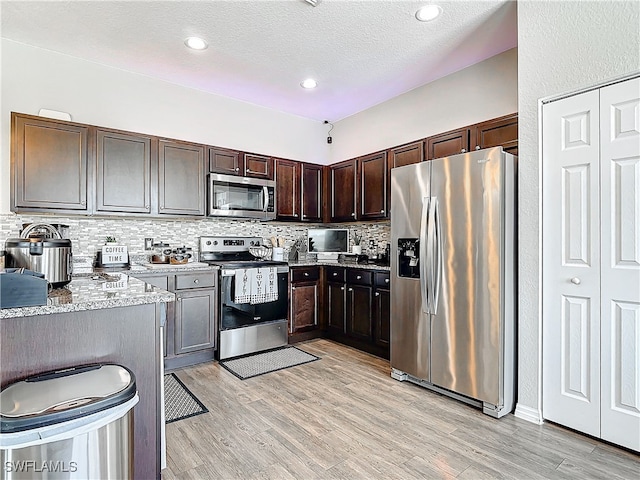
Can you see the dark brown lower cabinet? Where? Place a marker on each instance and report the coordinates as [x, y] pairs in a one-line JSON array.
[[358, 308], [304, 305], [192, 320]]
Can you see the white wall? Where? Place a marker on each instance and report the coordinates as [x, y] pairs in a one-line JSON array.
[[34, 78], [562, 47], [480, 92]]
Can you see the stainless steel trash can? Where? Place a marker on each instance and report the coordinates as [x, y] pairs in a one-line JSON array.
[[75, 423]]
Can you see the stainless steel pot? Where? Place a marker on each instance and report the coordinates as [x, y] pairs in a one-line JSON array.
[[49, 256]]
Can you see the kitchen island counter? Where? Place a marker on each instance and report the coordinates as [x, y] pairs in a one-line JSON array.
[[93, 292]]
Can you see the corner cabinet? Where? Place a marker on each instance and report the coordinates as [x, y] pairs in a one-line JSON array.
[[342, 184], [181, 178], [49, 165]]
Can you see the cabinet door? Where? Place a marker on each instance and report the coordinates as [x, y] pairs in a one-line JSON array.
[[123, 174], [359, 312], [304, 306], [382, 315], [225, 161], [195, 326], [343, 191], [181, 178], [258, 166], [501, 131], [336, 310], [288, 189], [311, 179], [448, 143], [406, 155], [373, 186], [49, 164]]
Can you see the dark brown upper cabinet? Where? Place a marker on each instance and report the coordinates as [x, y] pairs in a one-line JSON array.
[[225, 161], [49, 162], [373, 186], [448, 143], [342, 184], [258, 166], [123, 172], [181, 178], [406, 155], [311, 201], [299, 191], [288, 189], [502, 131]]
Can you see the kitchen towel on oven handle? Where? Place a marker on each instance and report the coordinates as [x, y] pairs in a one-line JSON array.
[[256, 285]]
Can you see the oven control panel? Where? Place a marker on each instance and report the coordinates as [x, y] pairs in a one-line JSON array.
[[228, 244]]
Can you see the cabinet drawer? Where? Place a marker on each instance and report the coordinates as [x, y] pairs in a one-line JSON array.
[[336, 274], [360, 277], [195, 280], [382, 279], [305, 274]]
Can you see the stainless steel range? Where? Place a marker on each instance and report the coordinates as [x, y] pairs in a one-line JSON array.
[[252, 296]]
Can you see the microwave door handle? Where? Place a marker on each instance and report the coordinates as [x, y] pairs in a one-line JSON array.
[[265, 192]]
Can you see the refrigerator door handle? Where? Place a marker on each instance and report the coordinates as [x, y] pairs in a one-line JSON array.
[[436, 263], [424, 256]]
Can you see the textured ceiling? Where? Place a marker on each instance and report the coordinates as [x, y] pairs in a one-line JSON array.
[[360, 52]]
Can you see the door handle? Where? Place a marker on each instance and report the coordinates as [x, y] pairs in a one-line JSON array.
[[436, 266], [265, 192], [576, 281], [424, 222]]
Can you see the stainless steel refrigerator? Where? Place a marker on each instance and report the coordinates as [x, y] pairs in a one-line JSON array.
[[453, 286]]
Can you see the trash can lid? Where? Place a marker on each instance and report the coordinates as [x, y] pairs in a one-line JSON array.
[[62, 395]]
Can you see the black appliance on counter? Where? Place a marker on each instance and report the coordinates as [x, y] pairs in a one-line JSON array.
[[244, 326]]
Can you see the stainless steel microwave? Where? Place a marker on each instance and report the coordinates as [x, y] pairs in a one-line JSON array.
[[241, 197]]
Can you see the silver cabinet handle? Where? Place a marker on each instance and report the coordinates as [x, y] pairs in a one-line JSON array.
[[306, 274], [179, 299], [576, 281], [341, 288], [353, 214], [146, 206], [386, 280], [381, 211], [196, 281], [295, 214], [358, 277], [351, 289], [335, 274], [377, 294], [464, 150], [237, 169], [161, 206], [83, 202], [477, 147], [293, 288]]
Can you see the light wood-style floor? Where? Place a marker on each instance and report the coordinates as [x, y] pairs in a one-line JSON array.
[[344, 417]]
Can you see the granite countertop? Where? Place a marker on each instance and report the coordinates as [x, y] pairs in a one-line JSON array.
[[362, 266], [94, 292]]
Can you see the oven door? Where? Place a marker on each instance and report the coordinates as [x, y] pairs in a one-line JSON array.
[[231, 196], [239, 315]]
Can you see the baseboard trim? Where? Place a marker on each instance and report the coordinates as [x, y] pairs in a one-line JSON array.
[[529, 414]]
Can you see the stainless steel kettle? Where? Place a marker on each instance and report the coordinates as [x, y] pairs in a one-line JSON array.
[[49, 256]]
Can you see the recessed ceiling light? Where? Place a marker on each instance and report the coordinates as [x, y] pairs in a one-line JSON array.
[[428, 13], [196, 43], [309, 83]]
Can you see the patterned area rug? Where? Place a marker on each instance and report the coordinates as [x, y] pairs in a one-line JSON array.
[[179, 402], [265, 362]]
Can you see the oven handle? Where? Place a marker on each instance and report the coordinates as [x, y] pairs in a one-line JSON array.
[[232, 273]]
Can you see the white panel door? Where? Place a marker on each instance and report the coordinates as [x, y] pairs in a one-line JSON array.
[[571, 262], [620, 263]]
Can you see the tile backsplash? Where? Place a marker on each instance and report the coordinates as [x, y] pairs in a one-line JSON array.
[[87, 234]]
